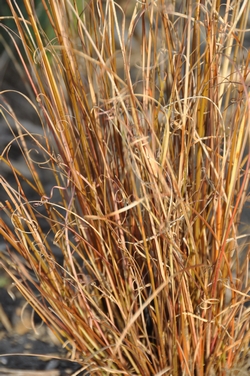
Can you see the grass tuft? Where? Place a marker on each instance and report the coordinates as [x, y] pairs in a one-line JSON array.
[[132, 251]]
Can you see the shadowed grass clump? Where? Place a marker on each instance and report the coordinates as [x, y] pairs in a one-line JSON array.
[[145, 132]]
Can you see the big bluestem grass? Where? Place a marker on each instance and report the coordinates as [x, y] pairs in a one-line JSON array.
[[145, 123]]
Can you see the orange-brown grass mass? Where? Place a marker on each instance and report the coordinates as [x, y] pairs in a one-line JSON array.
[[144, 109]]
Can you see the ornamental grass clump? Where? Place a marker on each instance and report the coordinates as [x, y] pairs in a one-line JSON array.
[[144, 111]]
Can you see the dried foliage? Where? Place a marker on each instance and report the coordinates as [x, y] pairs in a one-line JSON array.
[[145, 124]]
